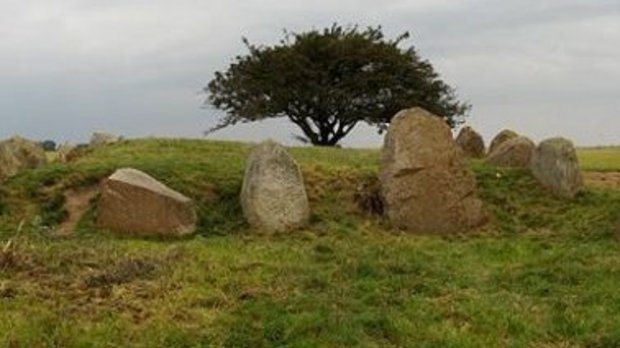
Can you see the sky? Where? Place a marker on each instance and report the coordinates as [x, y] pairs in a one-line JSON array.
[[137, 67]]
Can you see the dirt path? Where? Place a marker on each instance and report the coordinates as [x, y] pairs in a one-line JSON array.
[[602, 179], [77, 203]]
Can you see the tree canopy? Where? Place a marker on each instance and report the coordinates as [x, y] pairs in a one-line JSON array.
[[327, 81], [48, 145]]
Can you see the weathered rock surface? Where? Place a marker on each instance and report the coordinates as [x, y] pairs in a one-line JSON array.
[[101, 138], [17, 154], [515, 152], [65, 152], [273, 196], [76, 152], [501, 138], [9, 165], [555, 165], [426, 183], [133, 202], [471, 142]]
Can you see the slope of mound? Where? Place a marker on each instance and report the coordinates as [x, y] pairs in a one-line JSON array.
[[545, 272]]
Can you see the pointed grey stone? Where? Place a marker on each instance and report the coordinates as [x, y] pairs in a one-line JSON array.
[[273, 196]]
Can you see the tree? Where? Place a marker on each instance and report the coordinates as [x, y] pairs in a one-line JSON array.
[[328, 81], [48, 145]]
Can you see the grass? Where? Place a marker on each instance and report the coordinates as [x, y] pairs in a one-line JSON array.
[[544, 273], [600, 159]]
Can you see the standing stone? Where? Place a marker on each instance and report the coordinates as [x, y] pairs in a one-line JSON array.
[[76, 152], [426, 183], [471, 142], [132, 201], [64, 152], [273, 196], [515, 152], [501, 138], [9, 165], [101, 138], [555, 165], [29, 153], [17, 154]]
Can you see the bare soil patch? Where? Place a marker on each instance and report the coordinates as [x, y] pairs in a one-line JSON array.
[[602, 179], [77, 203]]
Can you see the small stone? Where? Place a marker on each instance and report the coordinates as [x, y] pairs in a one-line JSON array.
[[501, 138], [515, 152], [102, 138], [65, 152], [471, 142]]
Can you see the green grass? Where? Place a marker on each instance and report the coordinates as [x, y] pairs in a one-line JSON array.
[[545, 272], [600, 159]]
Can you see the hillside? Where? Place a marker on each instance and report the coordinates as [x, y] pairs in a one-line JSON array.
[[545, 272]]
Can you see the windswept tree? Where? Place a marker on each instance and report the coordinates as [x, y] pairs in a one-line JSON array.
[[328, 81], [48, 145]]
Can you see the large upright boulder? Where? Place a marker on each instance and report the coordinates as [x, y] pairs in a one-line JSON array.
[[471, 142], [501, 138], [19, 153], [555, 165], [273, 196], [426, 183], [133, 202], [515, 152]]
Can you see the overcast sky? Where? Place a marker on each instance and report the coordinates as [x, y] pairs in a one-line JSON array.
[[70, 67]]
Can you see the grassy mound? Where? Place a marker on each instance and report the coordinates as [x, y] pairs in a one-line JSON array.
[[545, 272]]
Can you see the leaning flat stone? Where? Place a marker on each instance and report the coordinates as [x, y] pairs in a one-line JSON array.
[[273, 196], [425, 181], [132, 201], [555, 165]]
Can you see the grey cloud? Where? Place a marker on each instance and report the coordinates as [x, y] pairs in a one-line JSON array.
[[137, 67]]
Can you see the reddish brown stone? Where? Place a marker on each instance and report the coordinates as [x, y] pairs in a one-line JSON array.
[[133, 202]]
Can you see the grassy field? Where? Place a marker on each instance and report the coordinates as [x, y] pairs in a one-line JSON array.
[[544, 273], [600, 159]]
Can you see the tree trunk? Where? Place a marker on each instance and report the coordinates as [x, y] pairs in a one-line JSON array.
[[327, 142], [325, 134]]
